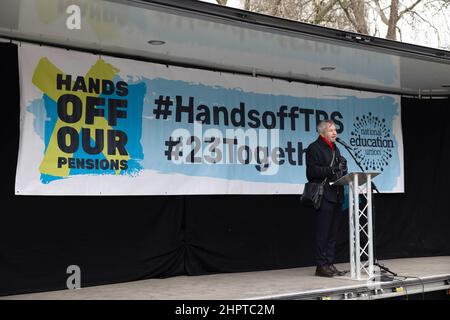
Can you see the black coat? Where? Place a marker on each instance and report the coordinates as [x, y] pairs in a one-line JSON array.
[[318, 159]]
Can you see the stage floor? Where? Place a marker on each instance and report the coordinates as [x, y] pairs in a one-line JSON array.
[[428, 274]]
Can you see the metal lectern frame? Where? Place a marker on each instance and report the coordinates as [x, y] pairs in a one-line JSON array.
[[361, 251]]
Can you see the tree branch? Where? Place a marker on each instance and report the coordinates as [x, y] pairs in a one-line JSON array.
[[222, 2], [324, 11], [410, 8], [381, 12], [348, 15]]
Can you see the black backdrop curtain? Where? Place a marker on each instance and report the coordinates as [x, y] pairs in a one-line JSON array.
[[41, 236]]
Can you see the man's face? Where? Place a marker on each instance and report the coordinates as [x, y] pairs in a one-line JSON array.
[[330, 133]]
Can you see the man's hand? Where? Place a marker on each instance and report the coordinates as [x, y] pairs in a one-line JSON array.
[[342, 164], [334, 173]]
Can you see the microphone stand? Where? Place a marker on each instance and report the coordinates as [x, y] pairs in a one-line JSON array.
[[374, 187]]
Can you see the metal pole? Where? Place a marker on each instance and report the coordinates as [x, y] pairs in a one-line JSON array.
[[356, 215], [369, 223], [351, 224]]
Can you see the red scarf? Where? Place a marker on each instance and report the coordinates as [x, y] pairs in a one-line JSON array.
[[331, 145]]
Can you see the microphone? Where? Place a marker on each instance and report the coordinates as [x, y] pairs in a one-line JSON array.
[[343, 143]]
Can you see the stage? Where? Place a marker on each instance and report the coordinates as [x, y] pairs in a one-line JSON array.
[[415, 275]]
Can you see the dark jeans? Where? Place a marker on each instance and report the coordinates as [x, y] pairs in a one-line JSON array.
[[327, 222]]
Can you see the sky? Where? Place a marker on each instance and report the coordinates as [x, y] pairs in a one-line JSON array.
[[422, 34]]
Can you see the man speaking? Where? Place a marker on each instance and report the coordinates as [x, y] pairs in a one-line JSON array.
[[325, 164]]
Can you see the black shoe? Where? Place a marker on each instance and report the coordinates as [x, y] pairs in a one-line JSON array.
[[335, 271], [324, 271]]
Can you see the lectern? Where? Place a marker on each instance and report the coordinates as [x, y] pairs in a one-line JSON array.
[[360, 223]]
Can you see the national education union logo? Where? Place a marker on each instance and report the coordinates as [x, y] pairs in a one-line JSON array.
[[372, 142]]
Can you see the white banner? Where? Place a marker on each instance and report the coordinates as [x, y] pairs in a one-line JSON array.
[[94, 125]]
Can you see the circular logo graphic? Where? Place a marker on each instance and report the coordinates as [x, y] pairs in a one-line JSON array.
[[372, 142]]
